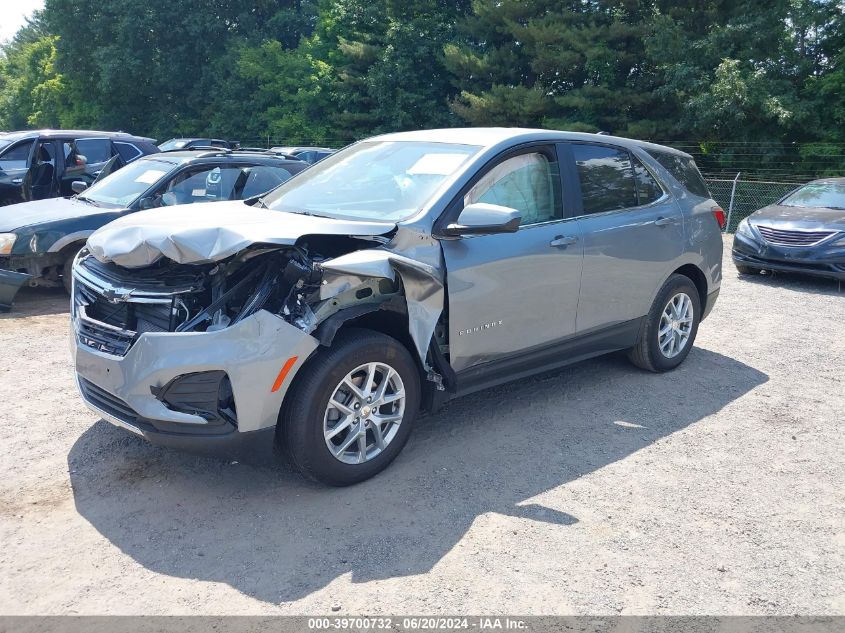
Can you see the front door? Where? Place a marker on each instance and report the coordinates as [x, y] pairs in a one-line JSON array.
[[514, 294], [632, 230], [41, 180]]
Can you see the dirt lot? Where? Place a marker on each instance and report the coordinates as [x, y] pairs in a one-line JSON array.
[[600, 489]]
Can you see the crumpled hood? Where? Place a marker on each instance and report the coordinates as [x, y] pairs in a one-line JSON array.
[[204, 233], [18, 216], [800, 217]]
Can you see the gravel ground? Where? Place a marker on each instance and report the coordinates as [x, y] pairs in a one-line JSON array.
[[598, 489]]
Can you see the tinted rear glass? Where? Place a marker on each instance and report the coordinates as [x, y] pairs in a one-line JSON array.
[[647, 187], [684, 171], [606, 176], [127, 151]]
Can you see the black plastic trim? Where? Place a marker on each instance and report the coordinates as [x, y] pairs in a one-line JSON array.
[[547, 357]]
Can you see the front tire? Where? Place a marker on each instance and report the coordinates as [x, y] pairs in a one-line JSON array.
[[67, 275], [351, 409], [669, 331]]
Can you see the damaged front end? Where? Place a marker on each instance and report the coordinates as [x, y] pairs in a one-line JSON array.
[[212, 346], [168, 297]]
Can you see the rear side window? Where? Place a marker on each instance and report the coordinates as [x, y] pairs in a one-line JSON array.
[[647, 188], [606, 177], [95, 150], [684, 171], [127, 151]]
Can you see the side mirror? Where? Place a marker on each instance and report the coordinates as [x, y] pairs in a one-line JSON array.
[[78, 186], [481, 218], [150, 202]]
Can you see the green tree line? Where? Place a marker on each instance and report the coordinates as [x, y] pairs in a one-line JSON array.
[[332, 71]]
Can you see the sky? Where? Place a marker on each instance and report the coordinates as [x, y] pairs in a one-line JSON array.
[[12, 14]]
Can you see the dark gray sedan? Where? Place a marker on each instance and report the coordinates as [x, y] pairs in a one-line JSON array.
[[803, 232]]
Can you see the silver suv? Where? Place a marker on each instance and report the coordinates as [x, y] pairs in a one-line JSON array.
[[400, 272]]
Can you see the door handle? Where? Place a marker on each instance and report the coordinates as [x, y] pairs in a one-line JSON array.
[[661, 221], [562, 241], [17, 181]]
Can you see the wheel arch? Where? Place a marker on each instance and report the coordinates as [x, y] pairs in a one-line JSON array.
[[698, 278]]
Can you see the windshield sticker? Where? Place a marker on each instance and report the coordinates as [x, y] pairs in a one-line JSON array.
[[437, 164], [150, 176]]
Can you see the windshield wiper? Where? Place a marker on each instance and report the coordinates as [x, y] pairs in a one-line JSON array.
[[89, 201]]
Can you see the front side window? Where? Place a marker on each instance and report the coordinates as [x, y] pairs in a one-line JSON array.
[[206, 184], [529, 183], [373, 180], [606, 177], [16, 157], [829, 196], [260, 179], [124, 186]]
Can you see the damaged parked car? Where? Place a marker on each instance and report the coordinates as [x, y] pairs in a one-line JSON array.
[[38, 240], [387, 278], [803, 232]]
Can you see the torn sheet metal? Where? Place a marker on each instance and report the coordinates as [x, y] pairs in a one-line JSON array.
[[10, 283], [423, 285], [204, 233]]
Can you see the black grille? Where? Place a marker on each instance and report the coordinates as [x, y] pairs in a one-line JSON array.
[[783, 237], [107, 403], [103, 338]]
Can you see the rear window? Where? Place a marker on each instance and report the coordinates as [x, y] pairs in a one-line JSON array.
[[684, 171]]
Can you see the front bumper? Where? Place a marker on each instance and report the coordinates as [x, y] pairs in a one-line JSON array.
[[824, 260], [251, 353], [10, 283]]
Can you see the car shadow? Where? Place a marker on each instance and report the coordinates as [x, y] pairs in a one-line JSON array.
[[270, 534], [31, 302], [796, 282]]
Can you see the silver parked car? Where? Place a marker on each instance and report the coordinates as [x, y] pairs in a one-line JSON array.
[[402, 271], [804, 232]]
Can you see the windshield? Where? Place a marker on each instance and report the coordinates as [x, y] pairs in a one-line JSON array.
[[374, 180], [831, 196], [4, 144], [124, 186], [174, 143]]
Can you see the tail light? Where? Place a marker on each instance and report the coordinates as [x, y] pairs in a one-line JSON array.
[[719, 214]]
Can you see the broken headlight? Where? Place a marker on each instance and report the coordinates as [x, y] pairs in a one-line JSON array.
[[7, 241]]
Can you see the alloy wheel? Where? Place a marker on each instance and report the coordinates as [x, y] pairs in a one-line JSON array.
[[364, 413], [675, 325]]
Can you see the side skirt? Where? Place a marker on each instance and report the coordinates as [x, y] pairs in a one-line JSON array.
[[553, 356]]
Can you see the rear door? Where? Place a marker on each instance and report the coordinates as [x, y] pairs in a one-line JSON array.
[[632, 231], [514, 294]]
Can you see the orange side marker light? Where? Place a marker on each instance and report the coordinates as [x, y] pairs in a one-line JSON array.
[[283, 373]]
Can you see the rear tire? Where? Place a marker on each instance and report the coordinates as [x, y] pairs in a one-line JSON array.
[[313, 409], [666, 337]]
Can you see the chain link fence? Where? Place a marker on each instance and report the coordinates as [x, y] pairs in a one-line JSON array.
[[740, 198]]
